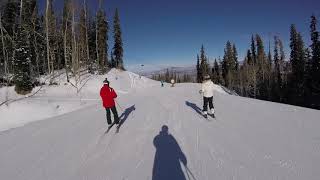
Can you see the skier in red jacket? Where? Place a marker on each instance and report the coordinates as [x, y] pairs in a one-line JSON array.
[[108, 95]]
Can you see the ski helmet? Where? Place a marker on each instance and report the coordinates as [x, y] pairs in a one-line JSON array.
[[106, 81], [206, 77]]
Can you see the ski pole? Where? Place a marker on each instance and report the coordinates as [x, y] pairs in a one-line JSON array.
[[188, 170], [119, 106], [187, 173]]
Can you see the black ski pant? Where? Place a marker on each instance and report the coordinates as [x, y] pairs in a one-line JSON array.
[[115, 115], [206, 101]]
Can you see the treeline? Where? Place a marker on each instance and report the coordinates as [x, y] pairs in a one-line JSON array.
[[76, 41], [169, 75], [270, 75]]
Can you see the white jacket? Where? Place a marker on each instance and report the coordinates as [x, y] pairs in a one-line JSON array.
[[207, 88]]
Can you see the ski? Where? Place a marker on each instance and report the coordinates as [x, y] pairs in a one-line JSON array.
[[210, 115], [118, 128], [110, 126]]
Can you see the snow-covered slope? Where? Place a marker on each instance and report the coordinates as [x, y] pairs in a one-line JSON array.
[[249, 139], [52, 101]]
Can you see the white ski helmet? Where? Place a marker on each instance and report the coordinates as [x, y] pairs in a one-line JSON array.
[[206, 77]]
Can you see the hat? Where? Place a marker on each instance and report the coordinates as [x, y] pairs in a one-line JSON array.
[[106, 81]]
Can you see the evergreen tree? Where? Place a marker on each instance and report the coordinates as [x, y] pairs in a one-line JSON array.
[[117, 49], [249, 76], [102, 38], [249, 57], [22, 54], [216, 72], [282, 71], [10, 16], [10, 24], [229, 66], [308, 95], [314, 83], [235, 68], [235, 57], [113, 62], [92, 45], [37, 43], [253, 50], [83, 41], [262, 69], [167, 76], [22, 61], [199, 72], [277, 80], [297, 59], [204, 66]]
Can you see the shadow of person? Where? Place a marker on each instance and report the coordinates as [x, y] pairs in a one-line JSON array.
[[124, 116], [167, 159], [194, 107]]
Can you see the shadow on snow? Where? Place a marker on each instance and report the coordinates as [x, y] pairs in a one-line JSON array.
[[194, 107], [124, 116], [167, 158]]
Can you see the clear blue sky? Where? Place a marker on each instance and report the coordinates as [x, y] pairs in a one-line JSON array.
[[172, 31]]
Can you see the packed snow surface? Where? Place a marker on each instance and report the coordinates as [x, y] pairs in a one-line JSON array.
[[163, 136]]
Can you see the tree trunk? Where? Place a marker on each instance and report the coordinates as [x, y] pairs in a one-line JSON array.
[[21, 7], [65, 51], [4, 51], [87, 39], [47, 36], [97, 47]]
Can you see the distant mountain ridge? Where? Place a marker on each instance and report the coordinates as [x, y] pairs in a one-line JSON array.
[[190, 70]]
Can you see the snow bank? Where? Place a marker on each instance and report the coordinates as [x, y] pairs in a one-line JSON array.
[[59, 99]]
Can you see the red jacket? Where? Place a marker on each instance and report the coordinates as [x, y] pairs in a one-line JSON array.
[[108, 95]]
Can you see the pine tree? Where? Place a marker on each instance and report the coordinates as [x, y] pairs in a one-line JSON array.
[[83, 37], [113, 62], [229, 66], [308, 95], [167, 76], [117, 49], [204, 66], [10, 15], [216, 73], [277, 80], [235, 68], [10, 25], [22, 61], [35, 28], [199, 72], [253, 50], [262, 70], [235, 57], [314, 83], [102, 38], [22, 54], [92, 46], [249, 57], [297, 59]]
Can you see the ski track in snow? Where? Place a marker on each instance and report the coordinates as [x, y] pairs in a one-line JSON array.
[[248, 139]]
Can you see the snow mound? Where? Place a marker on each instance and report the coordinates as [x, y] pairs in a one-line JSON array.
[[63, 98]]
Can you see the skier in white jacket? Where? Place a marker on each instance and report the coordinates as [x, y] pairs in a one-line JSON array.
[[207, 87]]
